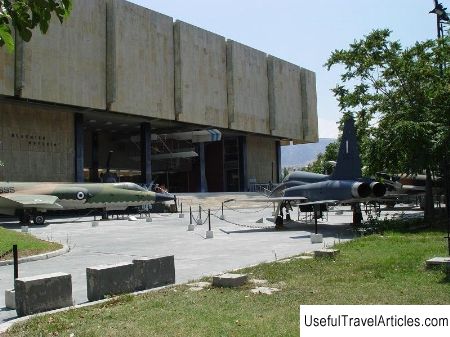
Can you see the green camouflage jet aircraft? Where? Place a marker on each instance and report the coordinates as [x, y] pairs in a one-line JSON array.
[[31, 200]]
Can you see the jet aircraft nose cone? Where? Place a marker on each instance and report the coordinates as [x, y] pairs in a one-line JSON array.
[[161, 197]]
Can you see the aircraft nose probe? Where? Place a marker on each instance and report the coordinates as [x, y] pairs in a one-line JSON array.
[[161, 197]]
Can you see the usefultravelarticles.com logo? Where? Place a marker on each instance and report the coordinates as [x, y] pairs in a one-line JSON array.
[[389, 320]]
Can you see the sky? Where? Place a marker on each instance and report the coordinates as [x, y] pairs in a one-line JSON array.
[[306, 32]]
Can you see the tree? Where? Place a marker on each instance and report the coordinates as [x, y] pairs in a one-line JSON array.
[[323, 164], [25, 15], [400, 99]]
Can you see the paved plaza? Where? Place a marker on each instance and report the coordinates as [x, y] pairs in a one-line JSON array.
[[239, 241]]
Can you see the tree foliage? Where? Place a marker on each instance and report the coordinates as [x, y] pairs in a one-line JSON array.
[[25, 15], [323, 164], [400, 98]]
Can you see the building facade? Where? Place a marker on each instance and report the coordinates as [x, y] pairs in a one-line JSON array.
[[122, 92]]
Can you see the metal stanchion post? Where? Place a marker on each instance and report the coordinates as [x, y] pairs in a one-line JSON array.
[[16, 262], [209, 232], [222, 216]]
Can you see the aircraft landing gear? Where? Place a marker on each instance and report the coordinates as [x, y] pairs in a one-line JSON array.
[[104, 214], [38, 219], [279, 219], [24, 218]]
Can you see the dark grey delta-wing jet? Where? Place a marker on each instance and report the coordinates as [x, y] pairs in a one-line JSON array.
[[31, 200], [344, 185]]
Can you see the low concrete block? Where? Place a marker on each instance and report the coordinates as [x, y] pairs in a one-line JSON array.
[[154, 272], [230, 280], [191, 227], [326, 253], [43, 293], [107, 280], [209, 234], [437, 262], [10, 299], [316, 238]]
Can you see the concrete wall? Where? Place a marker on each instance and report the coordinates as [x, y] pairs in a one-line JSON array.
[[43, 293], [285, 99], [36, 143], [261, 153], [107, 280], [67, 65], [154, 272], [200, 76], [309, 101], [6, 72], [248, 102], [141, 64]]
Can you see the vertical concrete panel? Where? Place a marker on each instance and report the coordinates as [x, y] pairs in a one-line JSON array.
[[309, 95], [37, 143], [68, 64], [248, 102], [144, 61], [285, 99], [6, 72], [200, 76], [261, 155]]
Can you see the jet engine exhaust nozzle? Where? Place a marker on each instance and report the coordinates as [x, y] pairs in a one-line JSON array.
[[378, 189], [361, 190]]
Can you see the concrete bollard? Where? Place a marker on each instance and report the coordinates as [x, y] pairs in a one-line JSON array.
[[109, 280], [181, 215], [154, 272], [316, 238], [43, 293], [209, 234], [191, 227], [149, 219], [10, 299], [24, 229], [94, 223]]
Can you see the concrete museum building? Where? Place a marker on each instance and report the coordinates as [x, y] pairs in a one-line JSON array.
[[121, 92]]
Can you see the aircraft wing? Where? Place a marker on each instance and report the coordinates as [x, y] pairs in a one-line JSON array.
[[319, 202], [267, 199], [29, 201]]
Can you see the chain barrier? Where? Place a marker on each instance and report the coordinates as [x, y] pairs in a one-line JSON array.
[[218, 210], [241, 225], [196, 220], [250, 212]]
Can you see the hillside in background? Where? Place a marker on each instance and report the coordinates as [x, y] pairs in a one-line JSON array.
[[302, 154]]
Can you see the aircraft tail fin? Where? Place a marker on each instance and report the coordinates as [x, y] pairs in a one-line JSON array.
[[348, 166]]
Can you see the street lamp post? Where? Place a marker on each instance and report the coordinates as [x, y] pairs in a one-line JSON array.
[[441, 19]]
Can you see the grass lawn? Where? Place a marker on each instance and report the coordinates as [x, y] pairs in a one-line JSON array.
[[377, 269], [26, 244]]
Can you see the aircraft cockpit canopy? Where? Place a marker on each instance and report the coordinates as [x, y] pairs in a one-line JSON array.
[[130, 186]]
